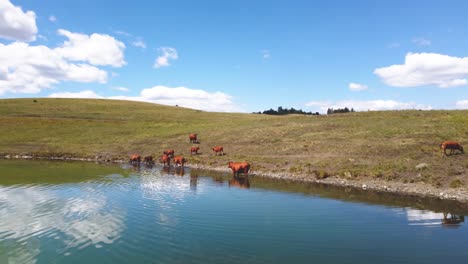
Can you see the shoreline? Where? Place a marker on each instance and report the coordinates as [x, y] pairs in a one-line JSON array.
[[397, 188]]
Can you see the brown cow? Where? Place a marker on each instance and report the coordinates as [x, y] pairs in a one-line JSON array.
[[238, 167], [165, 160], [193, 138], [194, 150], [452, 145], [242, 183], [135, 159], [169, 152], [179, 160], [148, 159], [218, 149]]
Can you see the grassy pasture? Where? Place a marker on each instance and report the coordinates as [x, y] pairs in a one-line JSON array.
[[383, 145]]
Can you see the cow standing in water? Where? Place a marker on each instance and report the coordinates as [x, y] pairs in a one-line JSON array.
[[193, 138], [135, 159], [179, 160], [148, 159], [452, 146], [218, 149], [238, 167], [165, 160]]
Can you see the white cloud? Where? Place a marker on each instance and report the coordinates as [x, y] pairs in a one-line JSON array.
[[266, 54], [421, 41], [373, 105], [167, 54], [97, 49], [422, 69], [139, 44], [356, 87], [82, 94], [462, 104], [181, 96], [16, 24], [28, 69], [52, 18], [120, 88]]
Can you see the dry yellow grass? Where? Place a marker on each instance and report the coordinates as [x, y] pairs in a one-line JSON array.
[[385, 145]]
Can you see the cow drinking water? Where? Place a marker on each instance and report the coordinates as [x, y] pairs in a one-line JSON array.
[[165, 160], [179, 160], [135, 159]]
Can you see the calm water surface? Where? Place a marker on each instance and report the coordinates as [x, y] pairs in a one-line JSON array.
[[56, 212]]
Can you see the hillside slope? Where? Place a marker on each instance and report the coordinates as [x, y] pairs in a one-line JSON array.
[[379, 145]]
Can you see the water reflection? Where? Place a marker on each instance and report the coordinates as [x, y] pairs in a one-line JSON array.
[[240, 182], [452, 220], [40, 211], [172, 170], [430, 218], [181, 212]]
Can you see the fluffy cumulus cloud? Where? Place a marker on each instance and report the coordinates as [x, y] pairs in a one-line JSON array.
[[462, 104], [425, 69], [372, 105], [97, 49], [356, 87], [181, 96], [29, 69], [166, 54], [16, 24]]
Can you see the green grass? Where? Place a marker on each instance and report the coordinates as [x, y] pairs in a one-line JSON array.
[[385, 145]]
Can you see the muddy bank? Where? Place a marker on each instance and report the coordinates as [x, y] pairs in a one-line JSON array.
[[405, 189], [375, 185]]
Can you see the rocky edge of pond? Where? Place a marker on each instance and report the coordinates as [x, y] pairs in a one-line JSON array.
[[405, 189]]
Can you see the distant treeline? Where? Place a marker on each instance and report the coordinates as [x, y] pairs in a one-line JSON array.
[[285, 111], [339, 110]]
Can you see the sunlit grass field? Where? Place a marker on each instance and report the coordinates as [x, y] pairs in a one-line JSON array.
[[385, 145]]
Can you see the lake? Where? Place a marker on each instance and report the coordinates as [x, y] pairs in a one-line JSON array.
[[74, 212]]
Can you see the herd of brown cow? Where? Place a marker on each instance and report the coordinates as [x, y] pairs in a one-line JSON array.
[[168, 156], [240, 167]]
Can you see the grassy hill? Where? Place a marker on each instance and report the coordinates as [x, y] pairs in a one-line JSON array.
[[379, 145]]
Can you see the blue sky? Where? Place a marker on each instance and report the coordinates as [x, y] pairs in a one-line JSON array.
[[239, 55]]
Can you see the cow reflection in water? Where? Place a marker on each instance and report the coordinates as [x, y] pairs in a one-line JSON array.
[[453, 220], [173, 170], [193, 182], [179, 171], [241, 182]]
